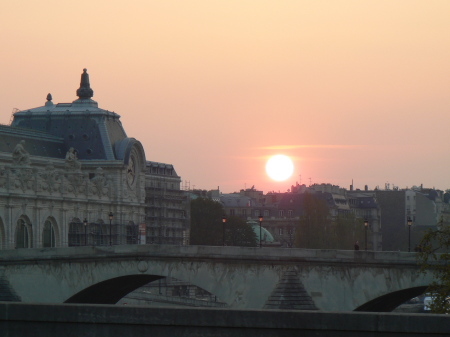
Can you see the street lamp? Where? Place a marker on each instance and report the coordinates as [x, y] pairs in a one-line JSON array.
[[290, 230], [260, 221], [85, 233], [224, 221], [111, 215], [409, 222], [366, 225]]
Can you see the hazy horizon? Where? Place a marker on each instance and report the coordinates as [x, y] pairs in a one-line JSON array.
[[350, 90]]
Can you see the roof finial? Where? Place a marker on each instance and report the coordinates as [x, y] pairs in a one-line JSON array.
[[85, 91], [49, 100]]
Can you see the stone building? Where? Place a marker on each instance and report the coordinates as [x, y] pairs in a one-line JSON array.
[[282, 211], [70, 176], [166, 213], [426, 208], [365, 207]]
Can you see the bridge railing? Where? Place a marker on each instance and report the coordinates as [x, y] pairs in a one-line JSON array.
[[261, 255]]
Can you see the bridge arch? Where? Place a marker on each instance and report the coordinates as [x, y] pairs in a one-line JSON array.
[[389, 302], [112, 290]]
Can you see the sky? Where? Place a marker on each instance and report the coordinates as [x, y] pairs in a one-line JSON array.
[[350, 90]]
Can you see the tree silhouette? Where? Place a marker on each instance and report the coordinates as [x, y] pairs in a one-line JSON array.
[[434, 255], [239, 233], [206, 222]]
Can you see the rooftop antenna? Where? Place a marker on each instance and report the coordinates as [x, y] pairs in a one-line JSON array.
[[309, 181]]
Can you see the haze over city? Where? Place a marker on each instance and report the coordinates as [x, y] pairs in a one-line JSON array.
[[349, 90]]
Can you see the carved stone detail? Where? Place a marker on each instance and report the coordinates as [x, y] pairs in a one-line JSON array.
[[75, 182], [72, 162], [100, 185], [3, 176], [23, 179], [49, 180], [20, 155]]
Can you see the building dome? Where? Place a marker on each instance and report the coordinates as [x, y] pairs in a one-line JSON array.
[[266, 237]]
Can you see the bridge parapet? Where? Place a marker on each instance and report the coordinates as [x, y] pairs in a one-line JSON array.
[[242, 277], [211, 253]]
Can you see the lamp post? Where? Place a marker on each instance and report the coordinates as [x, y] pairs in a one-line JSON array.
[[260, 222], [224, 221], [290, 230], [111, 215], [85, 232], [366, 225], [409, 222]]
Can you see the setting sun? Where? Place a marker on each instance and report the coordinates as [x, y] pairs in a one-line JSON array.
[[279, 167]]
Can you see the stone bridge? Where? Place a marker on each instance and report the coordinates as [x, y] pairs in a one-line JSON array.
[[244, 278]]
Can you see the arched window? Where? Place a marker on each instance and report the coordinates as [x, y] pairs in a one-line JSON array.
[[76, 229], [48, 235], [2, 234], [132, 233], [103, 236], [22, 234], [83, 233]]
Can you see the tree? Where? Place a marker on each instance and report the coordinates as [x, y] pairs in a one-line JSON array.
[[206, 222], [347, 230], [239, 233], [435, 256], [207, 227], [316, 229], [313, 227]]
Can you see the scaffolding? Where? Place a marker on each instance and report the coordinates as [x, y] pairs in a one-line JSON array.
[[165, 214], [102, 234], [12, 115]]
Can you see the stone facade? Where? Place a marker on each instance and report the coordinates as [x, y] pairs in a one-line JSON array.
[[70, 176], [43, 203]]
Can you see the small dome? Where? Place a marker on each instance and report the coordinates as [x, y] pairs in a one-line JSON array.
[[265, 234]]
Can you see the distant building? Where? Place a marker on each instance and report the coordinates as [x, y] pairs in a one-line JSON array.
[[166, 213], [386, 211], [249, 204], [365, 206], [425, 207]]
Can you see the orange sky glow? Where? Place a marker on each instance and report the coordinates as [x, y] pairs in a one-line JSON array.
[[350, 90]]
